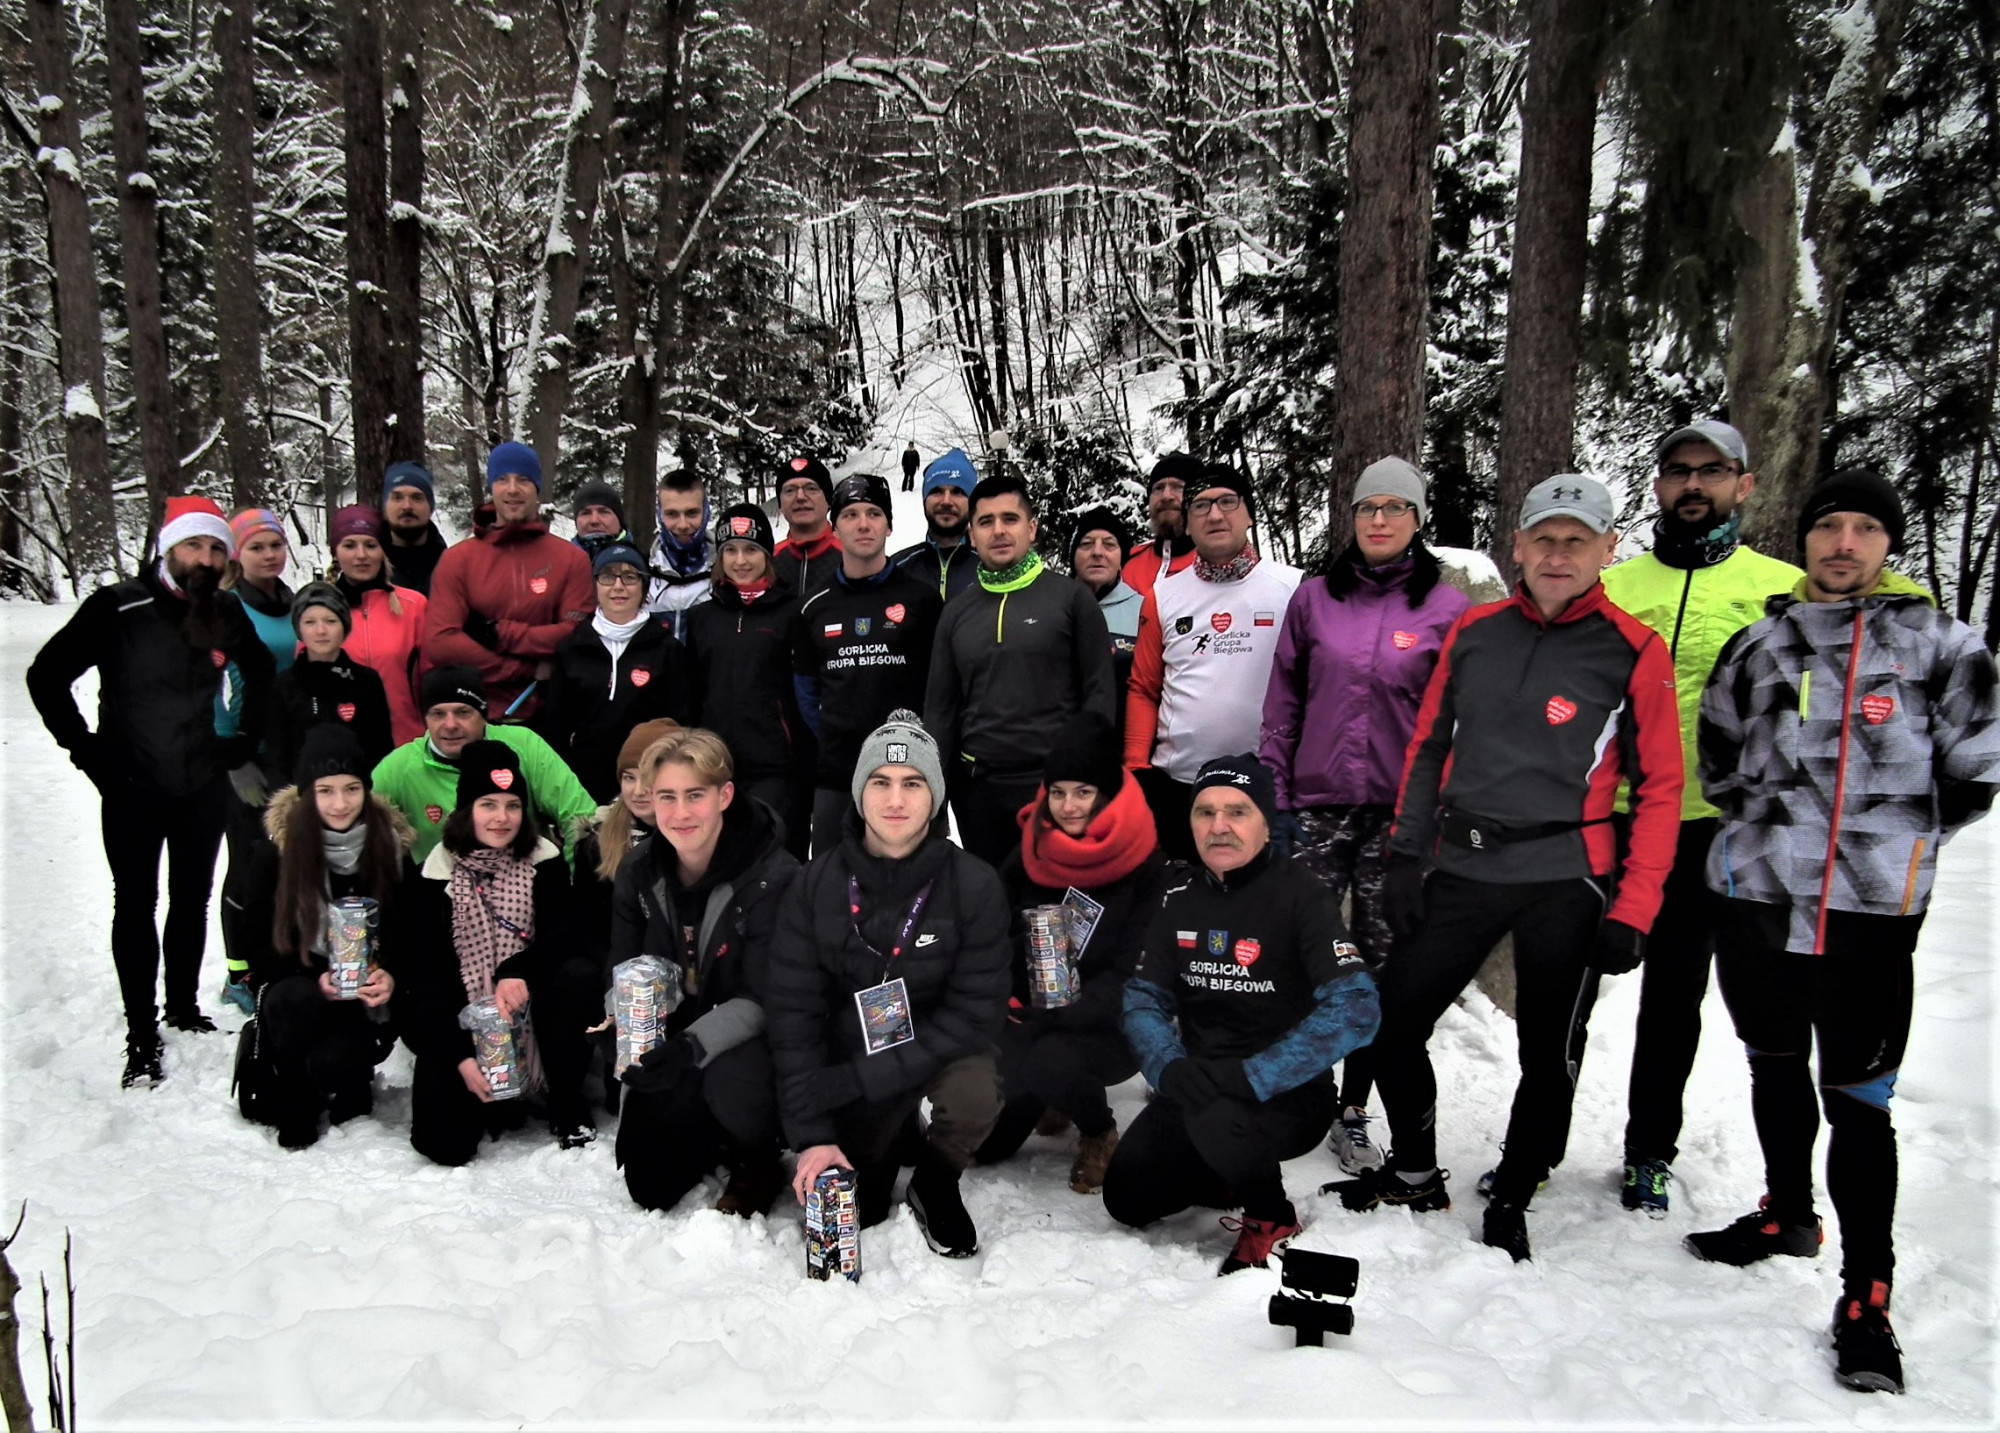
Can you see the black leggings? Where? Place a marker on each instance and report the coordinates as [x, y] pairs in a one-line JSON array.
[[724, 1113], [1674, 981], [1064, 1070], [137, 826], [1225, 1154], [1855, 1005]]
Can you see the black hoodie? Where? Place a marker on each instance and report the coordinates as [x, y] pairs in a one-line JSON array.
[[740, 663]]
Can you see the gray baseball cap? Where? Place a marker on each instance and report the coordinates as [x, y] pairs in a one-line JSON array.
[[1569, 495], [1719, 435]]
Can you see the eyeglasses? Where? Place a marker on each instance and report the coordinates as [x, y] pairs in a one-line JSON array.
[[619, 577], [1167, 488], [1368, 512], [1675, 475], [798, 490], [1228, 502]]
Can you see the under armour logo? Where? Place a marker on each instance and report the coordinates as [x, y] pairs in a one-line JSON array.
[[1568, 495]]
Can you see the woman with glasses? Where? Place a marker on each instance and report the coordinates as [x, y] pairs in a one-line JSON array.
[[1354, 656], [620, 668]]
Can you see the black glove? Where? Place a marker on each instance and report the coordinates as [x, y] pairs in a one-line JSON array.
[[1189, 1084], [1403, 896], [1619, 948], [664, 1066], [1229, 1078], [482, 629], [1286, 834], [91, 757]]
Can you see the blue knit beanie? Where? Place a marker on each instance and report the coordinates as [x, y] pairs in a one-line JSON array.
[[952, 470], [514, 458], [408, 475]]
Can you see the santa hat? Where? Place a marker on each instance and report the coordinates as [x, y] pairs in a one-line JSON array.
[[194, 517]]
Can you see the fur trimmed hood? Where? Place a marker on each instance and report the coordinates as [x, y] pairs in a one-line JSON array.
[[279, 812]]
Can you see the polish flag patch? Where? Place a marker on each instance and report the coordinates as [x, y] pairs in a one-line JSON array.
[[640, 676], [1403, 640], [831, 629], [1878, 709], [1559, 710], [1220, 621], [219, 657], [346, 711], [895, 614], [1247, 952], [502, 777], [434, 814], [1264, 619], [538, 585], [1184, 939]]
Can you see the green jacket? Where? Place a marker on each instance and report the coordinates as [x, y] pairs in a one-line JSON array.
[[424, 787], [1696, 611]]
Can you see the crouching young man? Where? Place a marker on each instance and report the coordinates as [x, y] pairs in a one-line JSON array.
[[888, 985], [1248, 991]]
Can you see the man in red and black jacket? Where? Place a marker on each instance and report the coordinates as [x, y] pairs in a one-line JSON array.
[[1538, 708]]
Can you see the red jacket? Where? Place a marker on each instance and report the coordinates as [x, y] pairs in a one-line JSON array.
[[386, 637], [532, 586], [1147, 564]]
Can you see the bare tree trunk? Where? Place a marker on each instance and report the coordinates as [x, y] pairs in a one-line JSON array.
[[239, 319], [1567, 44], [1780, 359], [996, 299], [13, 1389], [1385, 240], [402, 264], [896, 297], [79, 321], [13, 381], [367, 243], [651, 348]]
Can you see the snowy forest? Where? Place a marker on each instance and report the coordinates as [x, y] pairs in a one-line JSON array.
[[262, 250]]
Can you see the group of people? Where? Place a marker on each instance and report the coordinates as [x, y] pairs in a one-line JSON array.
[[1286, 816]]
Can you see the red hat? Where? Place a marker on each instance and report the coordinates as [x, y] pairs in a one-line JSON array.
[[194, 517], [358, 520]]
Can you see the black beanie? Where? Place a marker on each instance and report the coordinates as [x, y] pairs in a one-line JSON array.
[[1086, 749], [1861, 490], [487, 767], [1099, 519], [746, 522], [330, 749], [808, 468], [1176, 466], [452, 684], [1218, 475], [1245, 773], [594, 494], [322, 594], [862, 488]]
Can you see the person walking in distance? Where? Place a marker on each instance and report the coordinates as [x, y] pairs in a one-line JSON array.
[[910, 462]]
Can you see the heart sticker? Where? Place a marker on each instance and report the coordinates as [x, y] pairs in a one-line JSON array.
[[1878, 709], [538, 585], [895, 614], [1247, 952], [346, 710], [1404, 640], [640, 676], [219, 657], [1220, 621], [502, 777], [1559, 710], [434, 814]]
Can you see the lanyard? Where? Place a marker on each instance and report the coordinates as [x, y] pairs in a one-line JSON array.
[[910, 919]]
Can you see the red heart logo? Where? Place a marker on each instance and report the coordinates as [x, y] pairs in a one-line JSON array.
[[1559, 710], [895, 614], [434, 814], [346, 710], [538, 585], [798, 465], [219, 657], [1220, 621], [1404, 640], [1878, 709], [740, 526], [1247, 952], [640, 676], [502, 777]]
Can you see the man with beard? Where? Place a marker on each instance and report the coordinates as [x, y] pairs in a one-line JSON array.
[[810, 553], [159, 642], [1697, 588], [944, 559], [1170, 548], [409, 498]]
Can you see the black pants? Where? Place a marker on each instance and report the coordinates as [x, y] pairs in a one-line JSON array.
[[137, 826], [724, 1113], [988, 809], [881, 1138], [243, 833], [1674, 983], [1347, 847], [1064, 1070], [1225, 1154], [1855, 1005], [322, 1052], [1554, 924], [1171, 801]]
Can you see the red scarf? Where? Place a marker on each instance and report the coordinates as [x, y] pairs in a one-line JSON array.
[[1115, 844]]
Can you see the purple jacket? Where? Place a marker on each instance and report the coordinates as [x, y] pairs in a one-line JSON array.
[[1345, 686]]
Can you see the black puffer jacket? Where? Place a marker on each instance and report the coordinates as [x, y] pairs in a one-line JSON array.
[[586, 721], [309, 693], [954, 970], [740, 660], [1115, 944]]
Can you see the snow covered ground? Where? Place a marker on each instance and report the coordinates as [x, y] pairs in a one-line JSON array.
[[225, 1283]]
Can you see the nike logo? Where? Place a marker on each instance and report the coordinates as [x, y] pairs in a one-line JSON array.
[[926, 939]]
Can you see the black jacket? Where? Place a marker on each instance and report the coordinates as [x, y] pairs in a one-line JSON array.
[[717, 931], [590, 893], [156, 689], [740, 663], [412, 566], [586, 721], [954, 972], [947, 571], [310, 692], [1115, 944], [861, 649]]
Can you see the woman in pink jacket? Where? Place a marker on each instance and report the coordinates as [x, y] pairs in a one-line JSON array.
[[388, 620]]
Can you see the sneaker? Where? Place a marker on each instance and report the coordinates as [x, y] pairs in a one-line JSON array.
[[1645, 1187], [934, 1199], [752, 1186], [190, 1019], [142, 1060], [1093, 1157], [1756, 1236], [1483, 1186], [1865, 1352], [1385, 1186], [1348, 1139], [1256, 1241], [237, 992], [1506, 1227]]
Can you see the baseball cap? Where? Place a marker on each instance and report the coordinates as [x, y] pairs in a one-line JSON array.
[[1569, 495], [1723, 438]]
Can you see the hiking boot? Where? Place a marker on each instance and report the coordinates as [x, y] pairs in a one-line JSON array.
[[934, 1199], [190, 1019], [1052, 1123], [1093, 1157], [299, 1129], [1506, 1227], [1757, 1236], [574, 1135], [350, 1099], [1256, 1241], [1483, 1186], [1645, 1187], [1386, 1186], [1866, 1356], [1351, 1146], [142, 1060], [752, 1186]]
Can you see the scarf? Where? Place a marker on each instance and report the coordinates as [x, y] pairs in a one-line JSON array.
[[751, 591], [493, 919], [1114, 845], [1689, 548], [684, 559], [1012, 579], [343, 848], [616, 636], [1234, 570]]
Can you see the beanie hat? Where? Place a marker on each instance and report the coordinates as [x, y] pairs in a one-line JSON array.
[[594, 494], [1098, 519], [1393, 478], [863, 488], [188, 517], [322, 594], [901, 741], [745, 522], [1086, 749], [514, 458], [331, 748], [358, 520], [1176, 467], [487, 768], [409, 475], [452, 684], [643, 735], [1861, 490], [246, 523], [615, 552], [1245, 773], [951, 469], [1218, 475], [809, 468]]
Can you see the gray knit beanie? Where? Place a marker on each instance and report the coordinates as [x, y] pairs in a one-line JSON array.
[[901, 741], [1393, 478]]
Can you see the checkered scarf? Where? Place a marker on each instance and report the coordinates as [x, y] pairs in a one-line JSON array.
[[492, 919]]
